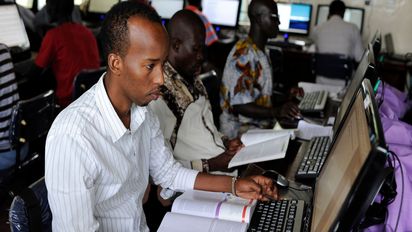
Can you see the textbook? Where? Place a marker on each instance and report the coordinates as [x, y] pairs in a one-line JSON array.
[[203, 211], [262, 145]]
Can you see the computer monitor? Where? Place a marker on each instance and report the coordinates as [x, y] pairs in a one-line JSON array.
[[100, 6], [40, 4], [223, 13], [363, 70], [294, 18], [25, 3], [167, 8], [352, 14], [12, 33], [349, 180]]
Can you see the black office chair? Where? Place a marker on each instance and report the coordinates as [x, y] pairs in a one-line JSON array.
[[86, 79], [30, 122], [334, 66], [30, 210]]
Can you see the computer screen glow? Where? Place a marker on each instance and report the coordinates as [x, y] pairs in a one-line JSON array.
[[222, 12], [100, 6], [25, 3], [167, 8], [352, 15], [294, 18]]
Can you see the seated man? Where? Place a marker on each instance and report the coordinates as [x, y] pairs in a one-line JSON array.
[[101, 149], [246, 88], [184, 110], [336, 36], [196, 6], [9, 97]]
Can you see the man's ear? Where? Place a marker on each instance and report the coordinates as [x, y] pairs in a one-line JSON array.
[[175, 43], [114, 63]]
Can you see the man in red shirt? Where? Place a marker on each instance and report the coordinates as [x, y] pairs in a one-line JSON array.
[[196, 6], [67, 49]]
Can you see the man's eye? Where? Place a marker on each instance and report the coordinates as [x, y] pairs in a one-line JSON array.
[[150, 66]]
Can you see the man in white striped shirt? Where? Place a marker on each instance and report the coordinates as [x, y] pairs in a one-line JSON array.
[[101, 149]]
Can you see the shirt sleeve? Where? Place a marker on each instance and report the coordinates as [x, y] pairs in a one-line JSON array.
[[70, 176], [46, 51], [164, 169], [239, 78]]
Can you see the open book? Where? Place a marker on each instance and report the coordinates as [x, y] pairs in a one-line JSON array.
[[262, 145], [203, 211]]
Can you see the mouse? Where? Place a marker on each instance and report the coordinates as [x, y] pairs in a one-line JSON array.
[[280, 180]]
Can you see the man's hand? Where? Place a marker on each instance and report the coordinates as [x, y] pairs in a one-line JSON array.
[[296, 92], [220, 162], [256, 187], [288, 110], [233, 145]]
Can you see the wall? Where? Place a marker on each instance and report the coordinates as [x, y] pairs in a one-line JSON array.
[[390, 16]]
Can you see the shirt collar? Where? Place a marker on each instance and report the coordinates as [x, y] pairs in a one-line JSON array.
[[335, 18], [116, 127]]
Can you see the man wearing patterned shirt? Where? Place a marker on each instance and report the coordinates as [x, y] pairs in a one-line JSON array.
[[246, 87], [102, 148], [184, 110]]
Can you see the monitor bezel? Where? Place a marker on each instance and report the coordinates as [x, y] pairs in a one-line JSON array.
[[218, 26], [165, 19], [347, 7], [309, 23]]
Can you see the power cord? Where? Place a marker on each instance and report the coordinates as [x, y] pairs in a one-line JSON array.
[[403, 187]]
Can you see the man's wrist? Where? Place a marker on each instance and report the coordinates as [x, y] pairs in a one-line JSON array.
[[205, 165]]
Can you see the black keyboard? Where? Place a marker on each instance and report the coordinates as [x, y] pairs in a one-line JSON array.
[[313, 101], [313, 158], [278, 216]]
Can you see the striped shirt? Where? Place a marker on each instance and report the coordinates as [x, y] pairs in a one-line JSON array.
[[211, 35], [9, 96], [97, 170]]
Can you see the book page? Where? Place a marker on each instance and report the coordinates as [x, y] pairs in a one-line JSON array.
[[214, 205], [175, 222], [260, 135], [268, 150], [308, 130]]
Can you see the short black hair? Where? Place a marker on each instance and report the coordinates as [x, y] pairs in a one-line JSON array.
[[60, 10], [194, 2], [114, 33], [337, 7]]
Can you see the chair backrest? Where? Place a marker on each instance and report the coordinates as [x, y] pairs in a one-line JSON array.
[[333, 66], [30, 210], [86, 79], [31, 121]]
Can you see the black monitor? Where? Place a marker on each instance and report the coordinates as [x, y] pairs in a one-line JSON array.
[[352, 174], [363, 70], [224, 13], [167, 8], [294, 18], [352, 14]]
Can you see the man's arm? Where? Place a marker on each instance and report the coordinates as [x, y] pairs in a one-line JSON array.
[[254, 187], [69, 176]]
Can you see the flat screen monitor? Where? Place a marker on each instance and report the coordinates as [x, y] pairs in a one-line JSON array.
[[294, 18], [346, 185], [25, 3], [167, 8], [12, 33], [222, 12], [352, 15], [100, 6]]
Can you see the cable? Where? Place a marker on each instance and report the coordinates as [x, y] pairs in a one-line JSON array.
[[403, 188]]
